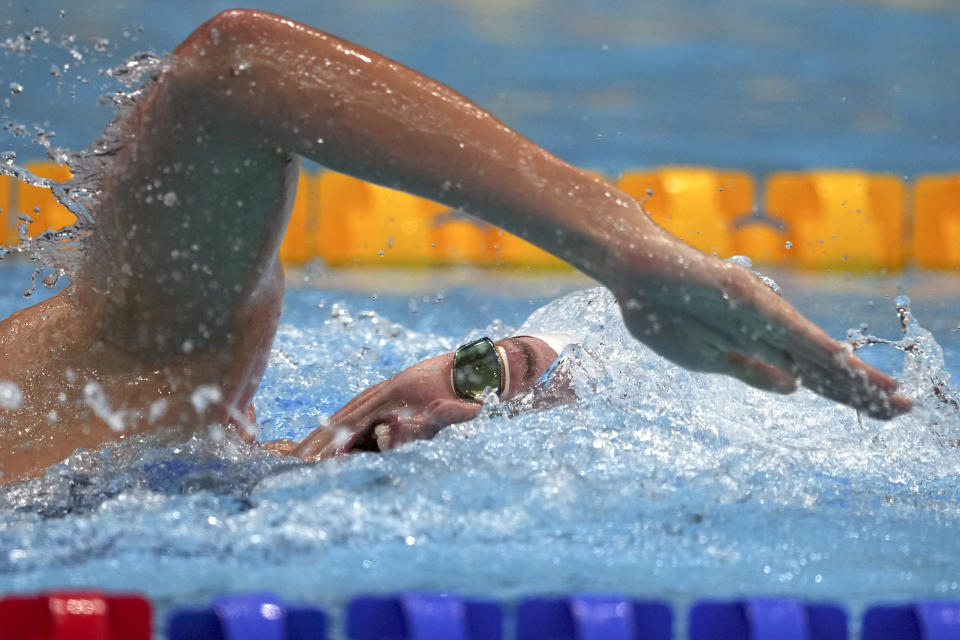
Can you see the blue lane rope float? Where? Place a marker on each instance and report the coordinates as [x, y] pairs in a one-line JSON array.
[[777, 619], [925, 620], [767, 619], [423, 616], [593, 617], [253, 616]]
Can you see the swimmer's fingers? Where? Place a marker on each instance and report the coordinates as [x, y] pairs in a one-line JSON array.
[[827, 367], [779, 335], [833, 373], [774, 348], [712, 351], [698, 322], [841, 376], [759, 374]]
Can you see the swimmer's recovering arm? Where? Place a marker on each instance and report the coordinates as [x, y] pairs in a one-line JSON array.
[[261, 77], [416, 403]]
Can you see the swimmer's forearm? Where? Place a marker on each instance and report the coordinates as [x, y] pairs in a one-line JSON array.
[[362, 114]]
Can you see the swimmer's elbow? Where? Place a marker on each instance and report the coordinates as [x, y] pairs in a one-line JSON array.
[[230, 27]]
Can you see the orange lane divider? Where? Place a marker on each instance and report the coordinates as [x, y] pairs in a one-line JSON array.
[[850, 220], [698, 204], [8, 233], [936, 222], [40, 204], [824, 219], [300, 241], [346, 221], [362, 223], [18, 199]]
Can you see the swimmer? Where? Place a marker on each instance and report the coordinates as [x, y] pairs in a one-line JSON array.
[[169, 318]]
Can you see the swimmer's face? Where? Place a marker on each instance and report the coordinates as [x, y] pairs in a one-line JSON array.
[[527, 359]]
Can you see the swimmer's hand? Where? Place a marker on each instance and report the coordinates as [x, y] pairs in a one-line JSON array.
[[709, 315], [412, 405]]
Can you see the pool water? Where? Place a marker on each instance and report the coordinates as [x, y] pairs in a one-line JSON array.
[[658, 483]]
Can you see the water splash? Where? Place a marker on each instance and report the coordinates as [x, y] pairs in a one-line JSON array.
[[924, 379], [61, 249]]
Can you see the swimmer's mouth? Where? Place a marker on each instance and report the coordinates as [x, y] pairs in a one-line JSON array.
[[367, 442], [376, 438]]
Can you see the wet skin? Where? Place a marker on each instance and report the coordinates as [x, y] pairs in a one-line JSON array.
[[184, 290]]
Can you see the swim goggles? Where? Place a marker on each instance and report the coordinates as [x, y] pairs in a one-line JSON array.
[[477, 367]]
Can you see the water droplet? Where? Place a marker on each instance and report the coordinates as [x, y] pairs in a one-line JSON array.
[[204, 396], [10, 396], [16, 87], [100, 44], [788, 244]]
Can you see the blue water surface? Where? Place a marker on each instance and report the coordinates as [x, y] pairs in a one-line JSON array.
[[608, 85]]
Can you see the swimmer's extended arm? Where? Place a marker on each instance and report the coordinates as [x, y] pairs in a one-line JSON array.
[[416, 403], [255, 76]]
